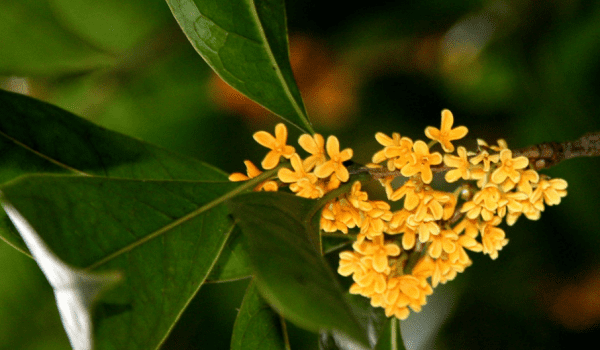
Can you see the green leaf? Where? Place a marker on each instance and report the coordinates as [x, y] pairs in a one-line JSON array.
[[36, 137], [257, 326], [281, 230], [163, 236], [35, 42], [233, 264], [373, 319], [75, 290], [391, 337], [245, 42]]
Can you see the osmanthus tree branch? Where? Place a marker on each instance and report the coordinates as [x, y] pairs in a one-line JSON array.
[[541, 156]]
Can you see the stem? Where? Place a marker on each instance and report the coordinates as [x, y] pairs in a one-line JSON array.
[[395, 333]]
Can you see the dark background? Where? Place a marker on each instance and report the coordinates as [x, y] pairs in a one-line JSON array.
[[525, 71]]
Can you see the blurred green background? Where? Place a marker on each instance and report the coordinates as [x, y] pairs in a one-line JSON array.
[[525, 71]]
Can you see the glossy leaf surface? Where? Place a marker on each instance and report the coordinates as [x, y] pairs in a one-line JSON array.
[[245, 42], [257, 326], [290, 272], [162, 236], [36, 137]]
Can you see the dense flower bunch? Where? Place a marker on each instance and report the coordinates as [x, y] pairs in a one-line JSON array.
[[400, 255]]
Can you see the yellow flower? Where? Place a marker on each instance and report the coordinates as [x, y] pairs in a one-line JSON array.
[[461, 163], [444, 242], [413, 195], [446, 134], [421, 162], [277, 145], [485, 202], [509, 167], [374, 222], [350, 263], [305, 188], [253, 172], [486, 158], [315, 145], [397, 150], [379, 251], [492, 237], [335, 163], [431, 205], [551, 190], [288, 176], [359, 199]]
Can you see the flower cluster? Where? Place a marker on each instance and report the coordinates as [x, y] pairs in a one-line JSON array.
[[399, 255]]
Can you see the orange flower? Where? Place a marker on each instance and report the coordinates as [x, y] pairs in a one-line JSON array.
[[421, 162], [446, 134], [509, 167], [397, 150], [288, 176], [552, 191], [444, 242], [379, 250], [335, 163], [492, 237], [253, 172], [277, 145], [314, 145], [486, 158], [461, 163]]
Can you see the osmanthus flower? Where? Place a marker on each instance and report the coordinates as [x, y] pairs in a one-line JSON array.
[[511, 202], [288, 176], [379, 250], [431, 204], [509, 168], [551, 190], [492, 237], [403, 291], [460, 255], [526, 180], [501, 145], [253, 171], [484, 203], [375, 220], [334, 164], [276, 144], [443, 242], [446, 133], [307, 189], [446, 270], [487, 159], [421, 162], [370, 282], [359, 199], [461, 163], [350, 263], [425, 228], [397, 150], [315, 145], [411, 192]]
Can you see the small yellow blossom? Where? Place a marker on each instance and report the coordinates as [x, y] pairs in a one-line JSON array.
[[277, 145], [359, 199], [379, 250], [350, 263], [444, 242], [307, 189], [253, 171], [288, 176], [551, 190], [315, 145], [374, 222], [509, 167], [461, 163], [485, 158], [334, 164], [446, 133], [421, 162], [492, 237], [411, 192]]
